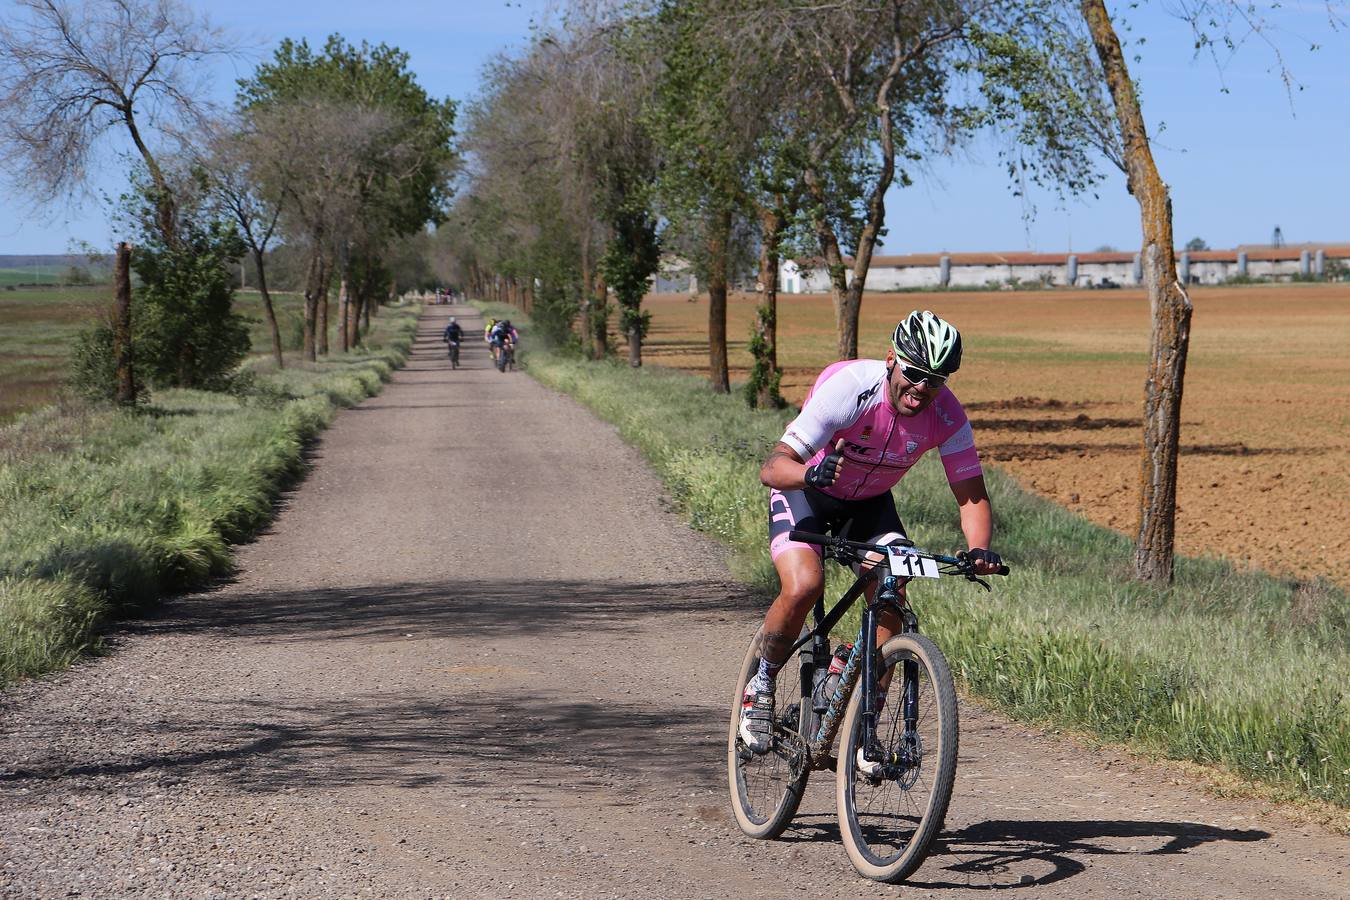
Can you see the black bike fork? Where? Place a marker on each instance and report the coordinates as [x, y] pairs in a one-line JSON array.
[[871, 746], [872, 750]]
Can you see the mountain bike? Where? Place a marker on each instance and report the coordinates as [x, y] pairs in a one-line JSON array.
[[897, 736], [454, 354], [506, 356]]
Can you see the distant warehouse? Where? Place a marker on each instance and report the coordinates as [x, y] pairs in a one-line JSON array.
[[1084, 270]]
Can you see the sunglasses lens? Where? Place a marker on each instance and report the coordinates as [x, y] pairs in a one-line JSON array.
[[914, 376]]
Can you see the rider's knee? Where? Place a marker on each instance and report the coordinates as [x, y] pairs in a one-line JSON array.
[[802, 592]]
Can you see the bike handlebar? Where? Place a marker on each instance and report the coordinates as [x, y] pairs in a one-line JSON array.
[[824, 540]]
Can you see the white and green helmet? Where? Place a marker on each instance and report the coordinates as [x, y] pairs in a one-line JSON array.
[[924, 340]]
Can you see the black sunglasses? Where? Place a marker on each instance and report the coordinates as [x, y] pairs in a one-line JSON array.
[[914, 375]]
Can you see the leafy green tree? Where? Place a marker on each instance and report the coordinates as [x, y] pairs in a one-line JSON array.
[[374, 161], [560, 183], [631, 259], [696, 115], [186, 333]]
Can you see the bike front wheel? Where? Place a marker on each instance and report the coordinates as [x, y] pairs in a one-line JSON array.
[[888, 819], [767, 788]]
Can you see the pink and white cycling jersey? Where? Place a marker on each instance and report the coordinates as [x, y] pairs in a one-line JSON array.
[[849, 401]]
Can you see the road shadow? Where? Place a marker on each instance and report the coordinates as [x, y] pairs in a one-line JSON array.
[[475, 718], [449, 608], [1031, 853], [469, 739]]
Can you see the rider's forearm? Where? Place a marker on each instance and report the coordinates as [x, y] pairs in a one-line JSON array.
[[977, 523], [783, 471]]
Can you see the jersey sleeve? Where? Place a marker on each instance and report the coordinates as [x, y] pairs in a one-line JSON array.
[[834, 405], [957, 449]]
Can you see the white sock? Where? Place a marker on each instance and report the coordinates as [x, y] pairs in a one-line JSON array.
[[763, 682]]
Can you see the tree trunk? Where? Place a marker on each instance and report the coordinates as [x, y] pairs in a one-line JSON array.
[[719, 240], [635, 346], [370, 306], [344, 311], [584, 306], [166, 211], [316, 275], [121, 326], [1171, 312], [267, 308], [323, 315], [766, 376], [600, 319], [359, 302], [848, 294]]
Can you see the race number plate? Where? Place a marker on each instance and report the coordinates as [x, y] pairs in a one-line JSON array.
[[905, 563]]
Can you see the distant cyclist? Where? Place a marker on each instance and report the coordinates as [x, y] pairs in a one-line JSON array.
[[864, 425], [452, 336], [487, 337], [502, 336]]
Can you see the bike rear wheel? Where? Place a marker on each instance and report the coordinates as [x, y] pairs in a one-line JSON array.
[[766, 789], [888, 821]]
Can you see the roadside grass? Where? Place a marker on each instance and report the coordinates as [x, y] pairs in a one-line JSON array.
[[103, 511], [1228, 668]]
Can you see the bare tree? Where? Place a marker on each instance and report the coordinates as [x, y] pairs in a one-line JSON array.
[[71, 73], [232, 162], [311, 168]]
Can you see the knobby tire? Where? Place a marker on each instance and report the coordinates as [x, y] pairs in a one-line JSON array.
[[888, 824], [766, 789]]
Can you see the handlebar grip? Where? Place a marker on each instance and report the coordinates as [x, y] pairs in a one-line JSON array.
[[806, 537], [1003, 570]]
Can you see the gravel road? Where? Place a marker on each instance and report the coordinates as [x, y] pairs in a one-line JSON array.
[[478, 656]]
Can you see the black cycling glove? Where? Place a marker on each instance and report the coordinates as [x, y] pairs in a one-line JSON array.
[[823, 473], [989, 556]]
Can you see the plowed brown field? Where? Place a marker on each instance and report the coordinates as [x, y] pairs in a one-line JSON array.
[[1053, 382]]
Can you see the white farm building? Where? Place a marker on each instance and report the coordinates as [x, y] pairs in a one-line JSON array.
[[995, 270]]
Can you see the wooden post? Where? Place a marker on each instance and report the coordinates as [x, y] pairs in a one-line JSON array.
[[126, 381]]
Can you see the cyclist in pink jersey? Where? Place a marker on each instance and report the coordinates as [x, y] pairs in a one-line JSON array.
[[865, 423]]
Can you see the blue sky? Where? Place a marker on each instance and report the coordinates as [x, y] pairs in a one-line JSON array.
[[1239, 163]]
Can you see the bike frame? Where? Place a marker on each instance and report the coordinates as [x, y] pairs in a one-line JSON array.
[[861, 663]]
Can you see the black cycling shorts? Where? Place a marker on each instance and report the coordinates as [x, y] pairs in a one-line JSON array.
[[873, 520]]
